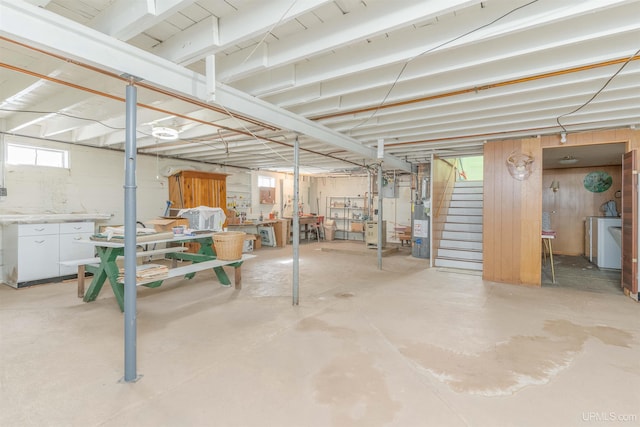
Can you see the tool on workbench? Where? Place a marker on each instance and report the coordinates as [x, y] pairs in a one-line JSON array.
[[166, 211]]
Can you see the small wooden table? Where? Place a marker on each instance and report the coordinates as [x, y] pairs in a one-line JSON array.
[[547, 245], [305, 224]]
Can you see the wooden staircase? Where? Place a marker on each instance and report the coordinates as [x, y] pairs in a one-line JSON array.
[[461, 242]]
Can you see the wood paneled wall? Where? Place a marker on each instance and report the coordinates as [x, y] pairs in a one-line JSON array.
[[572, 203], [512, 215], [630, 136], [513, 209]]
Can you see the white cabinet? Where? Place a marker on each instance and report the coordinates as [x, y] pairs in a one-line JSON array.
[[69, 250], [32, 252], [37, 253]]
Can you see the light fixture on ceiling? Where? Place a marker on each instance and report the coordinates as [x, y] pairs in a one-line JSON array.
[[563, 137], [568, 160], [165, 133]]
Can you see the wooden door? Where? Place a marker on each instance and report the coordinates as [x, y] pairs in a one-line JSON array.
[[630, 224]]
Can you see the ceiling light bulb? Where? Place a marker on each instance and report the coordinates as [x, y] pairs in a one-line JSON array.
[[165, 133], [563, 137]]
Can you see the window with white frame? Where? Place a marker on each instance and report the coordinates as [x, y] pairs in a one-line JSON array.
[[267, 190], [266, 181], [18, 154]]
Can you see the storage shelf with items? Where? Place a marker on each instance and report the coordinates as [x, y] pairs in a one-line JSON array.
[[238, 200], [349, 213]]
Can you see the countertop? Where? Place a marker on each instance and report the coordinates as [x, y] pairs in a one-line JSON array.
[[38, 218]]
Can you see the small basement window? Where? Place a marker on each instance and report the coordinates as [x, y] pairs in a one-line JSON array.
[[37, 156], [266, 181], [267, 189]]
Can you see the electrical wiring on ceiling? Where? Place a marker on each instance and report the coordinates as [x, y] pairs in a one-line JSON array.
[[266, 34], [408, 61], [609, 80], [71, 116]]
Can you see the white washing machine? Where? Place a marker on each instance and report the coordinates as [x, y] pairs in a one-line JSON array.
[[601, 247]]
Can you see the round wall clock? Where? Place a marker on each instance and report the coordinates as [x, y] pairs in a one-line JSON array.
[[597, 182]]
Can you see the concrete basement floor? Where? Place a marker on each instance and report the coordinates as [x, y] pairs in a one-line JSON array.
[[405, 346]]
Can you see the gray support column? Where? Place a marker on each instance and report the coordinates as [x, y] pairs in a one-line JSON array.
[[296, 220], [281, 185], [380, 216], [432, 249], [130, 327]]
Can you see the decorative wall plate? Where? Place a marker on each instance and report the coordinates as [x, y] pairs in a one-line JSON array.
[[597, 182]]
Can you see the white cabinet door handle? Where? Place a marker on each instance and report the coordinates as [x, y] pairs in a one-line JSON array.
[[39, 241], [39, 229]]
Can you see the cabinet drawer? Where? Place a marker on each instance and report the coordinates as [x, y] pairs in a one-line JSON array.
[[76, 227], [37, 229]]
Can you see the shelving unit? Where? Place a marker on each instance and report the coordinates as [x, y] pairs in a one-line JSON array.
[[348, 213]]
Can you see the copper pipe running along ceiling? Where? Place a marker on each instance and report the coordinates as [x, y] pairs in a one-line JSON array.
[[484, 87], [142, 84], [150, 87], [117, 98]]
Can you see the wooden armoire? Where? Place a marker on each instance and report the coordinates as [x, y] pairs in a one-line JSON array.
[[190, 189]]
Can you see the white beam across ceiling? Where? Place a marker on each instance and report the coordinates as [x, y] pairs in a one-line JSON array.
[[214, 34], [43, 29], [607, 34], [240, 101], [374, 20], [39, 3], [125, 19]]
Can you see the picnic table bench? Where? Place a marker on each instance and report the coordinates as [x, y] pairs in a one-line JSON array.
[[95, 262]]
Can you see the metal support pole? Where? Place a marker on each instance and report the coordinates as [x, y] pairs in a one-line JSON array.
[[380, 216], [431, 245], [370, 196], [637, 236], [130, 337], [296, 220]]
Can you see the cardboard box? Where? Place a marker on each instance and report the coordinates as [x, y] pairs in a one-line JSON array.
[[357, 227], [247, 246], [164, 223], [257, 244]]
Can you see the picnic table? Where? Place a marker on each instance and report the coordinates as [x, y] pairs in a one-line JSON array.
[[104, 266]]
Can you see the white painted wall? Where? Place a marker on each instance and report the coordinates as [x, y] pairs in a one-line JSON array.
[[94, 183], [396, 211]]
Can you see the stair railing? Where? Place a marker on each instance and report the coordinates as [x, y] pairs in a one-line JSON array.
[[445, 197], [443, 182]]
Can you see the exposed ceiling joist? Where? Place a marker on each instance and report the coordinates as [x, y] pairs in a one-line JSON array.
[[77, 42]]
